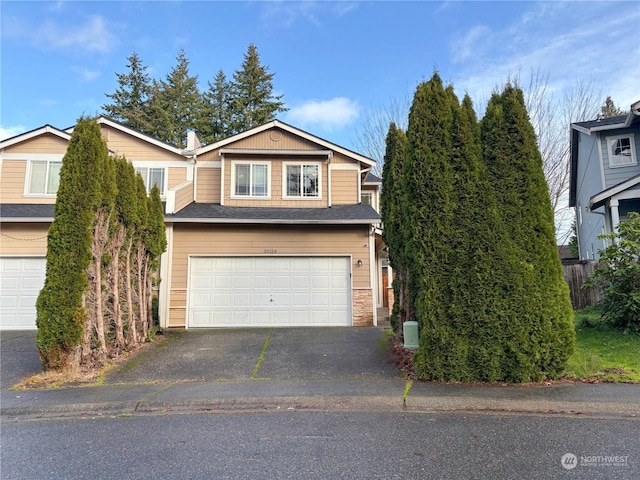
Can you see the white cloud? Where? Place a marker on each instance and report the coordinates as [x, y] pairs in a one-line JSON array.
[[92, 36], [326, 114], [8, 132], [463, 48], [587, 47], [281, 13], [85, 74]]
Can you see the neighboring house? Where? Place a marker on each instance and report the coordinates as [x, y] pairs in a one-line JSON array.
[[605, 177], [270, 227]]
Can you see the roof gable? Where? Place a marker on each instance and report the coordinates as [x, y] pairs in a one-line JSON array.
[[44, 130], [286, 129]]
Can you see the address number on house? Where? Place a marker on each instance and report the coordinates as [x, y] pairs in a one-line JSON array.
[[270, 250]]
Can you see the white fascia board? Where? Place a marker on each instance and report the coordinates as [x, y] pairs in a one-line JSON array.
[[139, 135], [26, 219], [34, 133], [584, 130], [615, 190], [259, 151], [271, 221], [292, 130]]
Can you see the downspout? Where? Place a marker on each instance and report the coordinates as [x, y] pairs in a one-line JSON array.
[[329, 157], [221, 178], [372, 273]]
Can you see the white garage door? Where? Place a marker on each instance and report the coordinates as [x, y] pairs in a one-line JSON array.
[[269, 291], [21, 280]]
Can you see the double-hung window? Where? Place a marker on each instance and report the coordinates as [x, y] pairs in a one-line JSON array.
[[302, 180], [44, 177], [621, 150], [250, 179], [151, 177]]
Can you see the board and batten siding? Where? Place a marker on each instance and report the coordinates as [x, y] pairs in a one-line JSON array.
[[24, 239], [257, 240]]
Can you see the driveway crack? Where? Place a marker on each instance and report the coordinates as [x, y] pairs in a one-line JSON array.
[[261, 357]]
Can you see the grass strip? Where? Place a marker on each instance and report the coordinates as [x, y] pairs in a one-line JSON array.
[[261, 357], [407, 387]]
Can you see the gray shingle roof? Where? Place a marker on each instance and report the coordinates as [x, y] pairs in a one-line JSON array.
[[214, 213], [371, 178], [603, 122], [18, 211]]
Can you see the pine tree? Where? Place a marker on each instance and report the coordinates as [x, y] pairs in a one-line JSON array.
[[541, 335], [216, 115], [392, 212], [253, 102], [61, 314], [175, 105], [130, 100], [609, 109], [428, 184]]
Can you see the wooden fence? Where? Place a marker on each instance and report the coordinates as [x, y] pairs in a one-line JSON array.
[[575, 274]]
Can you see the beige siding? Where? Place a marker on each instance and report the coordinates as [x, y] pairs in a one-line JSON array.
[[256, 240], [177, 176], [46, 143], [344, 187], [275, 139], [135, 149], [12, 181], [23, 239], [208, 185], [277, 198], [184, 197]]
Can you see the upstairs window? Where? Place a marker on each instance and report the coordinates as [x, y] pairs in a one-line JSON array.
[[250, 180], [622, 151], [302, 181], [366, 198], [44, 177], [151, 177]]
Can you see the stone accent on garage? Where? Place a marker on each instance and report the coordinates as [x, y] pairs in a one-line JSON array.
[[362, 311], [392, 299]]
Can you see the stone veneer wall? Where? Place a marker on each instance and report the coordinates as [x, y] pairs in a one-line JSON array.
[[362, 308], [391, 298]]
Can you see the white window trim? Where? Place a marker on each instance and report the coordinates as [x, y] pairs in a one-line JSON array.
[[301, 164], [612, 140], [27, 178], [370, 195], [165, 178], [232, 193]]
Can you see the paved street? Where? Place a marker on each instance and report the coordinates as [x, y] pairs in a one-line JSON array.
[[318, 445]]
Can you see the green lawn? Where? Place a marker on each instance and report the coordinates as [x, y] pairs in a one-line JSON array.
[[603, 353]]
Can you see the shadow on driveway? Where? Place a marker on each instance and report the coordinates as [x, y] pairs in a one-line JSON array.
[[18, 356], [242, 354]]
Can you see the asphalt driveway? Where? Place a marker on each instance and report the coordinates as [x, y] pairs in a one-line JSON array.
[[242, 354], [18, 356]]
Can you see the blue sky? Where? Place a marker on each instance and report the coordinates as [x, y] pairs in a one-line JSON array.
[[333, 60]]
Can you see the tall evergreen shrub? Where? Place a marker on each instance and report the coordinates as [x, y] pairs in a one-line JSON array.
[[61, 315], [541, 336]]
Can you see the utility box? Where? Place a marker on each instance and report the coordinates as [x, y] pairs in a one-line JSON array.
[[410, 333]]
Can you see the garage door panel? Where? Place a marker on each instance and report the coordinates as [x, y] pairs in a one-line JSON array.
[[21, 279], [269, 291]]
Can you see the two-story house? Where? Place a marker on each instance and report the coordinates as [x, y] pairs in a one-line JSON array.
[[605, 177], [270, 227]]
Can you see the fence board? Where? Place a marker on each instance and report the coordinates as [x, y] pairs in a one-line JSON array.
[[575, 274]]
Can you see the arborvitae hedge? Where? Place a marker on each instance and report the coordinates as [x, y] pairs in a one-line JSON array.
[[542, 344], [428, 190], [392, 213], [60, 313]]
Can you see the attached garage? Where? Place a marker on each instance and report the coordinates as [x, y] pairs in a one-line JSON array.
[[269, 291], [21, 279]]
